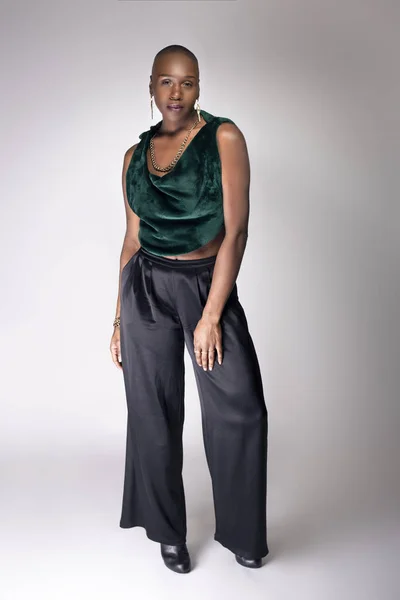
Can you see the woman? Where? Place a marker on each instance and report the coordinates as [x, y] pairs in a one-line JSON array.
[[186, 234]]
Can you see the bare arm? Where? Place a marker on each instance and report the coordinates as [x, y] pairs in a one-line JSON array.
[[131, 240], [235, 185], [207, 336]]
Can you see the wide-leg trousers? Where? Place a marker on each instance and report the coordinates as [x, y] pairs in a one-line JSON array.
[[162, 300]]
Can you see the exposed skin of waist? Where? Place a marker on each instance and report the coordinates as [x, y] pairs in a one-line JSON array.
[[210, 249]]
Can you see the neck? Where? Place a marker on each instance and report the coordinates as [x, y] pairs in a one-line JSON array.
[[172, 127]]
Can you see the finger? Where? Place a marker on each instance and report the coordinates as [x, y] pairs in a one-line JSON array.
[[197, 354], [211, 355], [218, 347], [204, 359], [117, 347], [115, 357], [117, 363]]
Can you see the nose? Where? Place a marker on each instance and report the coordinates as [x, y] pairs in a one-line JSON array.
[[175, 92]]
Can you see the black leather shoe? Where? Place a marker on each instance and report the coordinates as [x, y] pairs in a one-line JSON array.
[[253, 563], [176, 558]]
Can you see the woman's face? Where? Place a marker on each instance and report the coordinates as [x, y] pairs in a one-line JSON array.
[[175, 80]]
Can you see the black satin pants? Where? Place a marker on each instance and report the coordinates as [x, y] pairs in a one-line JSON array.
[[161, 303]]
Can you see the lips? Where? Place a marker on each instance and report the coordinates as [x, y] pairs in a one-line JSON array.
[[174, 106]]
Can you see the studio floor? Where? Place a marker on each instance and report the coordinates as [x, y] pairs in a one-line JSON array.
[[61, 540]]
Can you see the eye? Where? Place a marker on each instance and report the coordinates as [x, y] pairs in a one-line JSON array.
[[165, 81], [189, 83]]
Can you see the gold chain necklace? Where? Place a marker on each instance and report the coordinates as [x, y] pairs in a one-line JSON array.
[[178, 155]]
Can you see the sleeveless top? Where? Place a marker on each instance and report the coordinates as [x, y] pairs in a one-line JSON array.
[[181, 211]]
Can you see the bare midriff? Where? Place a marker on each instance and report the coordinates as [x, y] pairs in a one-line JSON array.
[[209, 249]]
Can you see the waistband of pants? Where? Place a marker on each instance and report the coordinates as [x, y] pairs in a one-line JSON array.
[[178, 263]]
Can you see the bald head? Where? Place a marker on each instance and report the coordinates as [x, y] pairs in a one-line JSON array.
[[172, 55]]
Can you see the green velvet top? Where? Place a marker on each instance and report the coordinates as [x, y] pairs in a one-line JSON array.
[[181, 210]]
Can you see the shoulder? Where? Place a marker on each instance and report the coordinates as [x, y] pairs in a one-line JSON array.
[[141, 136], [149, 131], [128, 155], [131, 150], [227, 131]]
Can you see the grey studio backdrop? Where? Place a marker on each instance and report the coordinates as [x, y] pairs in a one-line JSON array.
[[314, 87]]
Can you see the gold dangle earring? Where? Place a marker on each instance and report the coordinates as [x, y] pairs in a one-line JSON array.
[[151, 106], [198, 109]]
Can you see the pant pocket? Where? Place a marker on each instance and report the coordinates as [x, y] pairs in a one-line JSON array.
[[125, 267]]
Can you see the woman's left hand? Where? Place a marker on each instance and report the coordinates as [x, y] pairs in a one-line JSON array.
[[207, 337]]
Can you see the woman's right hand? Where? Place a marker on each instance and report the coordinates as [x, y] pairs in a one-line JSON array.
[[115, 348]]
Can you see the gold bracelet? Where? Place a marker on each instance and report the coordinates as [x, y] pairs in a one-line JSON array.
[[117, 321]]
